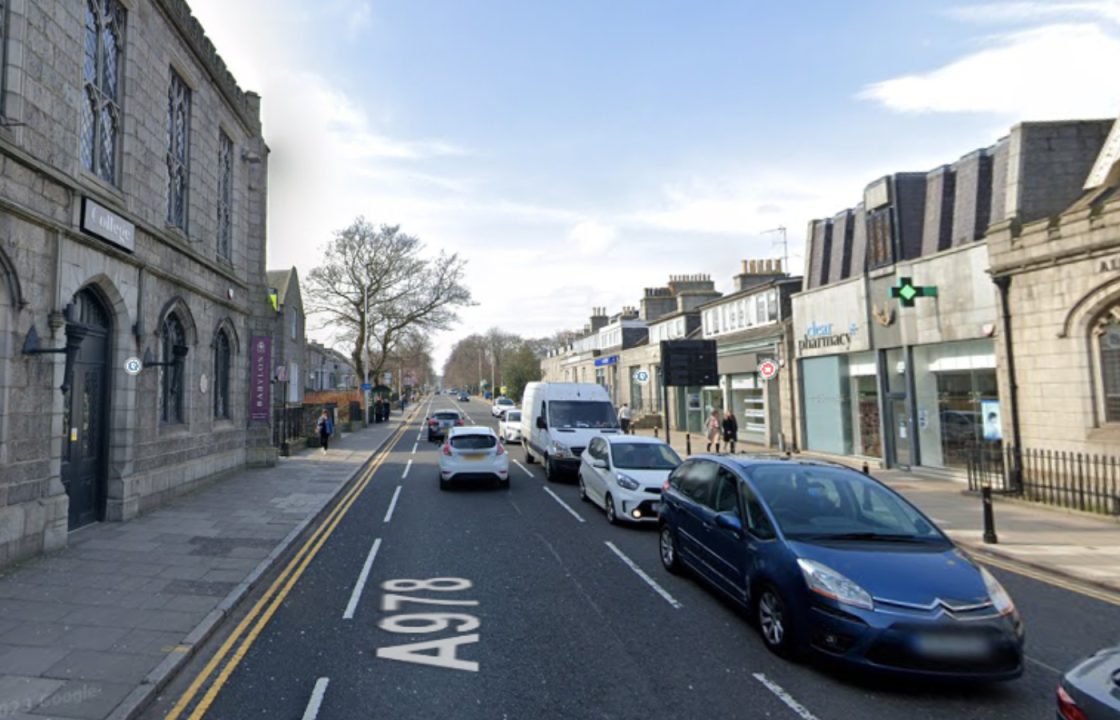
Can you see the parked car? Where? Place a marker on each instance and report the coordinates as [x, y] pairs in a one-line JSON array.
[[473, 453], [500, 405], [1091, 690], [440, 422], [463, 397], [623, 474], [509, 427], [831, 561], [558, 420]]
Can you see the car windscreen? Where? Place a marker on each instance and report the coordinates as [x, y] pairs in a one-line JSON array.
[[505, 401], [446, 416], [512, 416], [822, 503], [473, 442], [644, 456], [581, 414]]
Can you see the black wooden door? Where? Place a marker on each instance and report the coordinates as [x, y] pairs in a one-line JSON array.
[[84, 444]]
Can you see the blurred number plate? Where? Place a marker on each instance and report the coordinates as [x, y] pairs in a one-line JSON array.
[[473, 456], [962, 647]]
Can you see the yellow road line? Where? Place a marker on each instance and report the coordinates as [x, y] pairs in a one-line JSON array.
[[1059, 582], [305, 552]]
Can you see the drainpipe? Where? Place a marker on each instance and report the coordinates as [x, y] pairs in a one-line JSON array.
[[1003, 283]]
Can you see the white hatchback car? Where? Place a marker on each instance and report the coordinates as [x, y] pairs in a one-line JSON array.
[[501, 405], [509, 427], [473, 453], [623, 474]]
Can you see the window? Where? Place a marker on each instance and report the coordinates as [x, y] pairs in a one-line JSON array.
[[171, 380], [3, 52], [178, 151], [221, 375], [696, 482], [725, 491], [101, 69], [1108, 343], [225, 196], [773, 305], [757, 521]]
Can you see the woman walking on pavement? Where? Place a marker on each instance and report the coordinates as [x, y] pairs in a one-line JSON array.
[[325, 428], [714, 428], [730, 431]]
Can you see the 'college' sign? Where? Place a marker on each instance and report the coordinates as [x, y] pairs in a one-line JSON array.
[[107, 225]]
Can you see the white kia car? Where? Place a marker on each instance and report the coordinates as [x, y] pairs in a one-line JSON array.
[[509, 427], [623, 474], [473, 453], [501, 405]]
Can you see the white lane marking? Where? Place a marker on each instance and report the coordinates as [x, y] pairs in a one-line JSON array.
[[316, 700], [564, 505], [642, 574], [415, 445], [356, 593], [527, 470], [393, 504], [785, 697], [1041, 664], [406, 469]]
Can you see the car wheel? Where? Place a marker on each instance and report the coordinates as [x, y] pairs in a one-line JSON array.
[[583, 490], [608, 505], [774, 622], [549, 471], [442, 483], [504, 484], [668, 546], [529, 460]]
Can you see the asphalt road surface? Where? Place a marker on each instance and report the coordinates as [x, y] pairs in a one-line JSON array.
[[537, 608]]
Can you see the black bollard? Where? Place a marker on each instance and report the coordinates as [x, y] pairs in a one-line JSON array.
[[688, 443], [989, 520], [866, 470], [655, 431]]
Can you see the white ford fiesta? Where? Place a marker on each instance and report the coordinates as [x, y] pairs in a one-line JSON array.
[[509, 427], [473, 453], [623, 474]]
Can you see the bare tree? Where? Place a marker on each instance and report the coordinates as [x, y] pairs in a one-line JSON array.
[[375, 285]]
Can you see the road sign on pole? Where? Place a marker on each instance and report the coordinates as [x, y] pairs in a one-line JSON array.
[[767, 369]]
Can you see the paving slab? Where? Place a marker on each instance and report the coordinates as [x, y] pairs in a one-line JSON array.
[[84, 630]]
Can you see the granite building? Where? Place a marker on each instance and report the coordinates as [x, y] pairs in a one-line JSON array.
[[133, 300]]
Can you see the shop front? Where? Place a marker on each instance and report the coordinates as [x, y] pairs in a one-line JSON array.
[[751, 398]]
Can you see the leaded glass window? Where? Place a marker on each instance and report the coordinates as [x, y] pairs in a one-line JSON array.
[[178, 151], [102, 65], [171, 380], [221, 375], [225, 195], [1108, 339]]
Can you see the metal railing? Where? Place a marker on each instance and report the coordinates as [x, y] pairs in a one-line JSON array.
[[1078, 481]]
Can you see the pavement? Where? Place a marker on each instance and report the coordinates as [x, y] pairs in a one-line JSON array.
[[1070, 545], [93, 630]]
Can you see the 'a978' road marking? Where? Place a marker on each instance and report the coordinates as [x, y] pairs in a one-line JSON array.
[[445, 649]]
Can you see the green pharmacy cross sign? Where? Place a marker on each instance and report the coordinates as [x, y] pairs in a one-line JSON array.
[[906, 291]]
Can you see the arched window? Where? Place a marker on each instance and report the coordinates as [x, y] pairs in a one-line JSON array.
[[221, 374], [1107, 332], [171, 382]]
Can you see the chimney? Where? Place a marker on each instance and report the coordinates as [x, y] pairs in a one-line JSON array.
[[758, 272], [598, 319]]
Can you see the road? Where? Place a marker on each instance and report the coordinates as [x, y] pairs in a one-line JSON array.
[[555, 614]]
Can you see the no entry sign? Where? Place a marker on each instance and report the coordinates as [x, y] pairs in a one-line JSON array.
[[767, 369]]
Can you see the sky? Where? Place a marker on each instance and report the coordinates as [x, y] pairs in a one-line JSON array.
[[575, 152]]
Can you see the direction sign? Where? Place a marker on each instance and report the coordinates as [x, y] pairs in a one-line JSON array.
[[768, 369], [366, 387]]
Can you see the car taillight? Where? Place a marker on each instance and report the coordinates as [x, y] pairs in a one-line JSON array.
[[458, 422], [665, 486], [1067, 708], [433, 423], [501, 449], [447, 449]]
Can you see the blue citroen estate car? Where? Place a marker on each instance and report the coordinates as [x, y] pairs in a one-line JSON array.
[[828, 560]]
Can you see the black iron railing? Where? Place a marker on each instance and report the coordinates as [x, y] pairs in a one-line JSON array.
[[1079, 481]]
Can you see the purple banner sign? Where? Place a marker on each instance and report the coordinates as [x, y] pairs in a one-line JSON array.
[[260, 389]]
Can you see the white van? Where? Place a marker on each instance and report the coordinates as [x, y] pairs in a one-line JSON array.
[[559, 419]]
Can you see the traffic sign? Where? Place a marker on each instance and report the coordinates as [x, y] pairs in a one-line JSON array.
[[366, 387], [641, 377], [767, 369], [133, 366]]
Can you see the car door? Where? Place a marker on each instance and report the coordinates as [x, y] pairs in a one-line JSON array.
[[727, 548], [696, 487], [596, 477]]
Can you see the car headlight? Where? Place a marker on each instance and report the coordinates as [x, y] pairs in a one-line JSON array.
[[559, 450], [1000, 599], [823, 580], [625, 481]]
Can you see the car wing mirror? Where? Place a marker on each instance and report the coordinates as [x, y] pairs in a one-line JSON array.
[[541, 423], [729, 521], [599, 463]]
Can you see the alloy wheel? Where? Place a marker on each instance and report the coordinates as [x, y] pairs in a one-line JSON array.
[[583, 490], [612, 516], [668, 545], [771, 619]]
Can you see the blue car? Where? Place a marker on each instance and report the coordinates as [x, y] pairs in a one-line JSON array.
[[830, 561]]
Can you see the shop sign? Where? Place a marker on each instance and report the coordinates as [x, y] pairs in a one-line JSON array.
[[600, 362], [260, 395], [822, 336]]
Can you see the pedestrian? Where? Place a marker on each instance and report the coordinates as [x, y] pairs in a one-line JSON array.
[[730, 431], [624, 418], [325, 426], [714, 430]]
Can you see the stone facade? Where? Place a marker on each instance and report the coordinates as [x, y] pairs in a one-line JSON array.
[[73, 237]]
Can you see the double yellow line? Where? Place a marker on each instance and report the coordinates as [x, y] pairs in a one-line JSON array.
[[1059, 582], [275, 595]]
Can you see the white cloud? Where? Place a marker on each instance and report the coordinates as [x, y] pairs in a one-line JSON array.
[[1042, 73], [592, 237], [1033, 12]]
